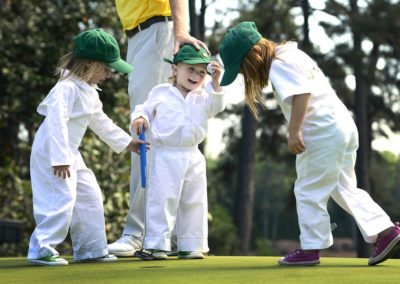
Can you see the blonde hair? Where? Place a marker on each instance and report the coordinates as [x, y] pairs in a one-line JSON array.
[[255, 69], [83, 68]]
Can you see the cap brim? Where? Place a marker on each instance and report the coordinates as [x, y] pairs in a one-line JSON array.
[[195, 61], [121, 66], [230, 74]]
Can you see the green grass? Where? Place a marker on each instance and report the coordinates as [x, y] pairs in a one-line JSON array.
[[213, 269]]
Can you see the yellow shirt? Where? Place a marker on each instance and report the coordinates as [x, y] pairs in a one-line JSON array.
[[135, 12]]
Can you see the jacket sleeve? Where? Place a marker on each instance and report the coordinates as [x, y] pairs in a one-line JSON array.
[[216, 101], [57, 108], [107, 130], [145, 110]]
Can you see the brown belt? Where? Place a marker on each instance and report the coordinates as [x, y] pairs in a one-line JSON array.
[[146, 24]]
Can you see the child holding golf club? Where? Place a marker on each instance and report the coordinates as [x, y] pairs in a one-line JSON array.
[[321, 133], [65, 192], [176, 114]]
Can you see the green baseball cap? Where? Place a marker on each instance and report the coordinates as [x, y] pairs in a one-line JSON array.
[[235, 45], [97, 45], [190, 55]]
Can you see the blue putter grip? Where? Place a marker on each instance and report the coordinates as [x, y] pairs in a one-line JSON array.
[[143, 160]]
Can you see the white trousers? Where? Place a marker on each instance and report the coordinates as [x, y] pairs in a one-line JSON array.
[[324, 170], [146, 52], [59, 205], [177, 196]]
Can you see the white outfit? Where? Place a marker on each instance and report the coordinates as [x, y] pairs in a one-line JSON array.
[[146, 52], [177, 190], [326, 168], [73, 203]]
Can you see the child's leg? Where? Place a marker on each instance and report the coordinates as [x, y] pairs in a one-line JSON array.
[[369, 216], [192, 223], [53, 202], [88, 225], [165, 182], [316, 179]]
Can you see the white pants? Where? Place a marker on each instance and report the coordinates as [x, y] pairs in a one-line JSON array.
[[146, 52], [60, 205], [324, 170], [177, 196]]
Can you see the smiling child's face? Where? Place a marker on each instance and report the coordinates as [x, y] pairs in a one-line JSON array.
[[189, 77]]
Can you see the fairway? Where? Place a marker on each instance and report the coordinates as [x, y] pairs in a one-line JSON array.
[[213, 269]]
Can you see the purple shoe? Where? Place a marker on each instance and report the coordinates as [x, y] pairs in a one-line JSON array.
[[299, 257], [386, 246]]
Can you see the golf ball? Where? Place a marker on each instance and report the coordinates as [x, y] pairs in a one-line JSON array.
[[210, 69]]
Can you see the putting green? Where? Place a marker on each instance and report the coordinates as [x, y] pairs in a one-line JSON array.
[[213, 269]]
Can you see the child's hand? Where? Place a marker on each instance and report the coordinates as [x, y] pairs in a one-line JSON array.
[[295, 142], [62, 171], [215, 74], [134, 146], [138, 125]]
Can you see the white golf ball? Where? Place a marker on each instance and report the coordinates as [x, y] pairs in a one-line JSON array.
[[210, 69]]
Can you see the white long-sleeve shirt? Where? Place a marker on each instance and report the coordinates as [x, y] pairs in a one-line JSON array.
[[178, 121], [70, 108]]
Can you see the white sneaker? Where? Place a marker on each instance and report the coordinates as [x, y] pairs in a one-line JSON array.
[[159, 254], [53, 260], [190, 255], [105, 258], [125, 246]]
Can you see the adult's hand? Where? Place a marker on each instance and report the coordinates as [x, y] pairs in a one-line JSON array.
[[185, 38], [178, 11]]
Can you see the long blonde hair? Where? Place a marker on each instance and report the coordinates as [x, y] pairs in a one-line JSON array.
[[83, 68], [255, 69]]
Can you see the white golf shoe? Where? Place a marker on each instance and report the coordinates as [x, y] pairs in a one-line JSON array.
[[52, 260], [125, 246]]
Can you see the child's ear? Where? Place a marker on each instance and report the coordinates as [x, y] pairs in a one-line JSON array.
[[174, 69]]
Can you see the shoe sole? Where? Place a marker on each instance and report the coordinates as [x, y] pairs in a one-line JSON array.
[[300, 263], [47, 263], [391, 248]]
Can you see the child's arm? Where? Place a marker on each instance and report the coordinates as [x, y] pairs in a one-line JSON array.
[[215, 74], [215, 99], [299, 109]]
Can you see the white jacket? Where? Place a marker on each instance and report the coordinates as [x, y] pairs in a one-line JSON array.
[[70, 108], [177, 121]]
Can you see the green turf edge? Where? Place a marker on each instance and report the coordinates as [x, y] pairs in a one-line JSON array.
[[213, 269]]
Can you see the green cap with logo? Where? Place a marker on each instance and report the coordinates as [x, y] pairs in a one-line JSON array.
[[190, 55], [235, 45], [97, 45]]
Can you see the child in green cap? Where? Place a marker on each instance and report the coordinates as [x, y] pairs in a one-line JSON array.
[[66, 195], [322, 134], [175, 115]]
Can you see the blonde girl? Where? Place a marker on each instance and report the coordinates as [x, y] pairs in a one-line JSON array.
[[66, 195]]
